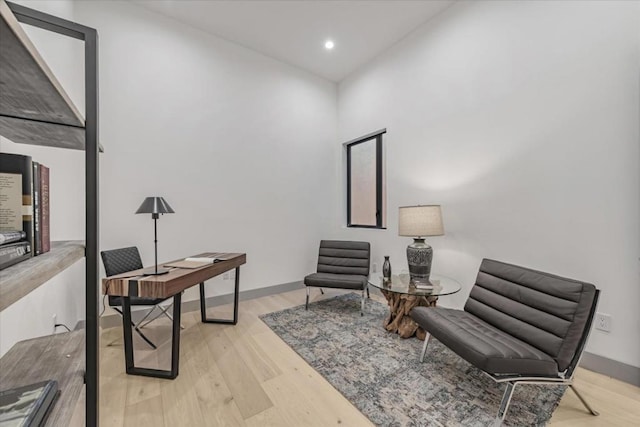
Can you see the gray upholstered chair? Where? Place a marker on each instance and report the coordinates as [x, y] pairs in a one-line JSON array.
[[342, 265], [519, 326]]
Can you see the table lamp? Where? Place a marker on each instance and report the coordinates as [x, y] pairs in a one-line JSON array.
[[419, 222], [155, 206]]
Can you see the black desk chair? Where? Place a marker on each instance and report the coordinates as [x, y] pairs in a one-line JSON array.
[[342, 265], [118, 261]]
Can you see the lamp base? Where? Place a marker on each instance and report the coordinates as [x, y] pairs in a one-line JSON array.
[[419, 256], [157, 273]]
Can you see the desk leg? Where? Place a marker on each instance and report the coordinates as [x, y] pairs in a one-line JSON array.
[[128, 334], [236, 298], [175, 344]]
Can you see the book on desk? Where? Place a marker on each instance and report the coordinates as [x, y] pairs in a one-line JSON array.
[[196, 262]]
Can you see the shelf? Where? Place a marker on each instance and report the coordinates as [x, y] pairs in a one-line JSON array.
[[57, 357], [31, 132], [21, 279], [34, 107]]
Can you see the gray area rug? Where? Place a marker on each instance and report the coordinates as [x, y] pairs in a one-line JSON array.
[[380, 373]]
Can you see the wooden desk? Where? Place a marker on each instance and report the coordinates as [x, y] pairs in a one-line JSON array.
[[138, 284]]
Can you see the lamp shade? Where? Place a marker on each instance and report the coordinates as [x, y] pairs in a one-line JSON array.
[[420, 221], [154, 205]]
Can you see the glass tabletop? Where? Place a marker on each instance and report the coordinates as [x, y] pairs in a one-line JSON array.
[[401, 284]]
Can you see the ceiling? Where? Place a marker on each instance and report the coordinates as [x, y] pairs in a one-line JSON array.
[[295, 31]]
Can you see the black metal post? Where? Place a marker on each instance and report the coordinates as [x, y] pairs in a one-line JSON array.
[[156, 271], [92, 147], [155, 238], [90, 37]]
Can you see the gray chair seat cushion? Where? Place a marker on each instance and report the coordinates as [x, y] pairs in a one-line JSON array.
[[341, 281], [483, 345]]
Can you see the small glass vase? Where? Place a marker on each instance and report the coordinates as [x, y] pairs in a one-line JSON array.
[[386, 269]]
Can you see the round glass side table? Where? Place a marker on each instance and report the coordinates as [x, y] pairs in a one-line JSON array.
[[403, 295]]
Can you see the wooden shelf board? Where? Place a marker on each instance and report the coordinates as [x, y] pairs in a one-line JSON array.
[[34, 107], [57, 357], [21, 279], [32, 132], [40, 133]]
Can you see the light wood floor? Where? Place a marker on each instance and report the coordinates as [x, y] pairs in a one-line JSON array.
[[244, 375]]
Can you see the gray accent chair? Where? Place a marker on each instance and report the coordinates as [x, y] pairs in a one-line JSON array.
[[519, 326], [343, 265]]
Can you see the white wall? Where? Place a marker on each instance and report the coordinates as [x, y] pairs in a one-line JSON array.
[[236, 142], [33, 315], [522, 120], [63, 295]]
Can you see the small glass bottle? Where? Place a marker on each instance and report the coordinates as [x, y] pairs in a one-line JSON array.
[[386, 269]]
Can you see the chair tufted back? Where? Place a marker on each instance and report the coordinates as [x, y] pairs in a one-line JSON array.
[[117, 261], [344, 257], [548, 312]]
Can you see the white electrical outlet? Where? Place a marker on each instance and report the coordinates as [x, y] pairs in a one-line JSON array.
[[225, 276], [232, 274], [375, 267], [603, 322], [55, 322]]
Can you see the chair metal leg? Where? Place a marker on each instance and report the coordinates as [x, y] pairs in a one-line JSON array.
[[584, 402], [142, 323], [424, 347], [135, 328], [306, 306], [504, 405], [165, 311], [322, 291], [362, 303], [368, 296], [144, 337]]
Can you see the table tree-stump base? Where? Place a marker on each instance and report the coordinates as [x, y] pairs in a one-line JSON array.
[[400, 305]]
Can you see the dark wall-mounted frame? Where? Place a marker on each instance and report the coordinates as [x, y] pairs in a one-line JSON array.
[[377, 136], [90, 38]]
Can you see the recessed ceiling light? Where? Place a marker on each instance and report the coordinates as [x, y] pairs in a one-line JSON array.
[[329, 44]]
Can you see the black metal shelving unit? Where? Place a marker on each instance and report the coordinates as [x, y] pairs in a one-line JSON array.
[[54, 121]]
